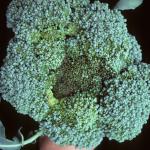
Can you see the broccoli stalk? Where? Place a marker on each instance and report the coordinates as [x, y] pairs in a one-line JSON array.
[[16, 143]]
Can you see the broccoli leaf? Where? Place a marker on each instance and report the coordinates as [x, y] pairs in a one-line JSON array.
[[128, 4], [5, 141]]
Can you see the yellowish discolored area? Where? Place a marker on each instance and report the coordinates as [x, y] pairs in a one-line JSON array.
[[51, 99], [54, 32]]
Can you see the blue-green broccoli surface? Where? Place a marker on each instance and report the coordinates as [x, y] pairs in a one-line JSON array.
[[74, 67], [125, 103]]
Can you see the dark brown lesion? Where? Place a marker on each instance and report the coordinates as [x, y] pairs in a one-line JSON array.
[[75, 75]]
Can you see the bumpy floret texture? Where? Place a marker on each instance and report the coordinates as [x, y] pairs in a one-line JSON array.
[[26, 79], [75, 117], [126, 106], [74, 67]]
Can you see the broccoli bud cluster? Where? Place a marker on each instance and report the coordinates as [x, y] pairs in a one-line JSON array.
[[73, 67], [126, 106]]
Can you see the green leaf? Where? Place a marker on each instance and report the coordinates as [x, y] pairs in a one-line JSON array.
[[5, 141], [128, 4]]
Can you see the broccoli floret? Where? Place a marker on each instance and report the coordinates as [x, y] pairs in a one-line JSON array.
[[26, 78], [126, 104], [73, 67], [75, 120]]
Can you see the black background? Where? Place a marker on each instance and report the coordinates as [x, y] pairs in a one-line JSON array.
[[138, 24]]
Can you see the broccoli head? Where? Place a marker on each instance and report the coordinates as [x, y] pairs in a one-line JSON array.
[[74, 67]]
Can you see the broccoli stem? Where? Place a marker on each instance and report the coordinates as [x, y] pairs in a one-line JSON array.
[[23, 143]]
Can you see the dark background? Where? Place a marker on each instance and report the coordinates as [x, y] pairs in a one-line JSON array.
[[138, 25]]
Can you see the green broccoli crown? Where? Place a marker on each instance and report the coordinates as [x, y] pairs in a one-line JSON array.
[[73, 67]]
